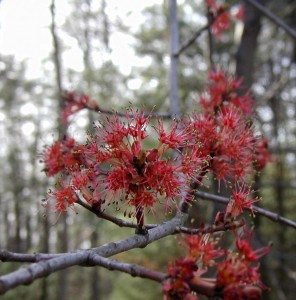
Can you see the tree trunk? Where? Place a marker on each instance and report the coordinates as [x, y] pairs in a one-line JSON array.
[[174, 47], [63, 232], [245, 56]]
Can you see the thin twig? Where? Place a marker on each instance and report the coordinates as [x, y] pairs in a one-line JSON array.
[[117, 221], [192, 39], [211, 229], [98, 109], [254, 209]]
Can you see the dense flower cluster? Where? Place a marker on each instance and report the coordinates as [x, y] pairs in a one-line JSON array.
[[237, 274], [61, 156], [117, 166], [225, 131], [222, 16]]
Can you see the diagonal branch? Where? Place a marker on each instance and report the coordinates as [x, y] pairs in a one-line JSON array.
[[204, 286], [255, 209], [192, 39], [271, 16], [132, 269]]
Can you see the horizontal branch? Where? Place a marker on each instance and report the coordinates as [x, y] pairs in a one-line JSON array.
[[211, 229], [6, 255], [98, 109], [27, 275], [254, 209]]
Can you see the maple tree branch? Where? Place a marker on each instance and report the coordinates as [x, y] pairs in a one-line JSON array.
[[254, 209], [98, 109], [211, 229], [141, 241], [271, 16], [134, 270], [205, 286], [6, 256], [193, 38], [48, 265], [117, 221], [26, 275]]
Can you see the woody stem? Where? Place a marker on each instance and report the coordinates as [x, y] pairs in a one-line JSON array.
[[140, 220]]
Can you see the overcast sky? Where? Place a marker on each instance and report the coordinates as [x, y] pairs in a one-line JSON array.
[[24, 29]]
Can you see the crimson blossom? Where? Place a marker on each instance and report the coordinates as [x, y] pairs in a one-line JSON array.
[[222, 17], [116, 166], [237, 271], [74, 102]]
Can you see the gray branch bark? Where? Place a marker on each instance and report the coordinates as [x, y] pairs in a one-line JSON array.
[[43, 268]]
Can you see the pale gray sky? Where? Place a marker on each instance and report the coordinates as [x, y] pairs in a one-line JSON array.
[[24, 31]]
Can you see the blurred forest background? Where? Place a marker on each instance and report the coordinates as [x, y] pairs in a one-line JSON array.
[[85, 46]]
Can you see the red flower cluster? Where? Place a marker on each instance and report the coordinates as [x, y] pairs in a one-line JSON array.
[[61, 156], [224, 130], [180, 274], [237, 275], [115, 165], [136, 175], [73, 103], [65, 197], [222, 92], [239, 202], [219, 11]]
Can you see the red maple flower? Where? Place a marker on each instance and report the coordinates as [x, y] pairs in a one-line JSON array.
[[226, 142], [244, 245], [237, 279], [203, 249], [74, 102], [240, 201], [63, 155], [261, 154], [64, 196], [137, 176], [223, 91], [222, 23], [222, 16], [177, 287]]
